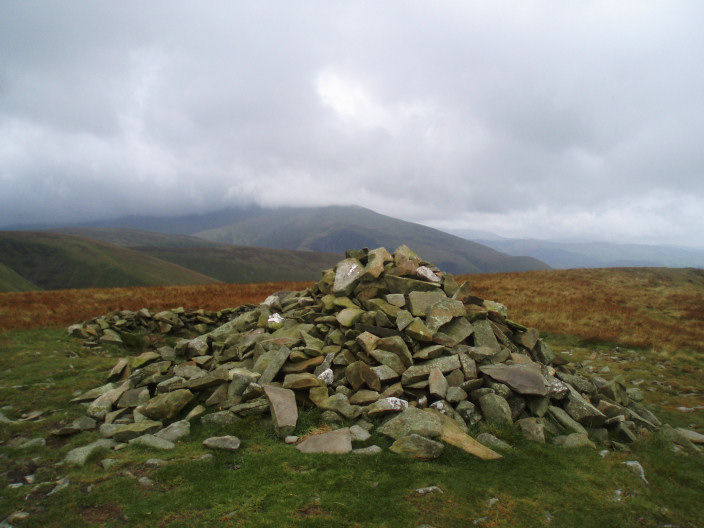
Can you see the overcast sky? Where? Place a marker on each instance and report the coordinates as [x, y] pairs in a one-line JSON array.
[[540, 119]]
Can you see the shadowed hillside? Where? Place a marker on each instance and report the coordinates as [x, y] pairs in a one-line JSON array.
[[54, 261]]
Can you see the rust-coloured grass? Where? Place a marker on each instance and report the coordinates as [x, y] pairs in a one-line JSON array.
[[64, 307], [638, 307]]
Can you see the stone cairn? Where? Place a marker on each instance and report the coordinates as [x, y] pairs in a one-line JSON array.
[[382, 340]]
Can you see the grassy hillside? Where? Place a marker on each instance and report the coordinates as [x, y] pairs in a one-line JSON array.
[[248, 264], [55, 261], [221, 261], [135, 237], [335, 229], [11, 281]]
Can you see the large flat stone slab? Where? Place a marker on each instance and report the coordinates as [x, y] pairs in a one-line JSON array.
[[337, 442], [412, 421], [284, 411], [522, 378]]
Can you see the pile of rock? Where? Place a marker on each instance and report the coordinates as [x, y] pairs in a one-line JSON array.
[[383, 340], [111, 327]]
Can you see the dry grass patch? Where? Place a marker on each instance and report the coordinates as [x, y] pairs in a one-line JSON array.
[[651, 308]]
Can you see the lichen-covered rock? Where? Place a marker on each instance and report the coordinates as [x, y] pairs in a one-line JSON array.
[[417, 446]]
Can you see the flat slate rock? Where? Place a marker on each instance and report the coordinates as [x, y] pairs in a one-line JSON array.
[[522, 378], [337, 442], [284, 411], [225, 443], [417, 446], [412, 421], [152, 441], [79, 455]]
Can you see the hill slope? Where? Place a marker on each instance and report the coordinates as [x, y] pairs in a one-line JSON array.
[[11, 281], [247, 264], [224, 262], [335, 229], [56, 261], [134, 238]]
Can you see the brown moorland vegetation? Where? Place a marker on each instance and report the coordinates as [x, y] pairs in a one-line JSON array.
[[659, 308], [638, 307]]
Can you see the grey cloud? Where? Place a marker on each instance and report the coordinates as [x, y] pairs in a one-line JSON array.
[[528, 119]]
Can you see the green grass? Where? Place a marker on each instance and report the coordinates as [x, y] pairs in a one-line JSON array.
[[10, 280], [267, 483], [237, 264]]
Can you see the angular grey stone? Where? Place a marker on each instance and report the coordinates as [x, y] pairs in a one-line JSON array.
[[385, 373], [421, 371], [418, 330], [257, 406], [79, 455], [495, 409], [565, 420], [175, 431], [574, 441], [420, 301], [437, 384], [532, 429], [371, 450], [341, 404], [347, 274], [390, 360], [166, 406], [333, 442], [284, 412], [417, 446], [397, 345], [692, 436], [134, 397], [220, 418], [34, 442], [522, 378], [468, 412], [543, 353], [387, 405], [152, 441], [126, 432], [489, 440], [455, 395], [364, 397], [412, 421], [442, 312], [275, 364], [359, 434], [484, 335], [111, 337], [583, 411], [454, 332], [225, 443], [406, 286]]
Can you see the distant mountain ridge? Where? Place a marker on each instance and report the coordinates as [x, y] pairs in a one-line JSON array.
[[337, 228], [566, 255], [240, 245], [331, 229]]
